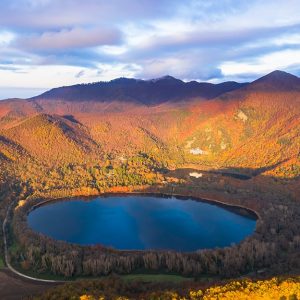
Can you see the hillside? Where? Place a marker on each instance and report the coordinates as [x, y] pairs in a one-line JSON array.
[[255, 126], [243, 144], [53, 139], [253, 130], [271, 289]]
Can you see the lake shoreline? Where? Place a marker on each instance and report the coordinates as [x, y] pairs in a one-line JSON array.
[[145, 197], [236, 208]]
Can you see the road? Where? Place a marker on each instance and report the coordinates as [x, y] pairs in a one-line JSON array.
[[6, 254]]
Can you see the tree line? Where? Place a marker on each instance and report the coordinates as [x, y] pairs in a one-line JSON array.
[[275, 244]]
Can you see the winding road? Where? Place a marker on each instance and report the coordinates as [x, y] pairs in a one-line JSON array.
[[6, 254]]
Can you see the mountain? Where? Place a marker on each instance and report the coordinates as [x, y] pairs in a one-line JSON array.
[[148, 92], [241, 146], [256, 127], [276, 81], [279, 80], [52, 138]]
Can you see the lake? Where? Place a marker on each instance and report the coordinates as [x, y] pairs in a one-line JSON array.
[[136, 222]]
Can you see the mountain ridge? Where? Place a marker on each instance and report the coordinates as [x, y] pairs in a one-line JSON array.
[[147, 92], [165, 89], [245, 129], [276, 81]]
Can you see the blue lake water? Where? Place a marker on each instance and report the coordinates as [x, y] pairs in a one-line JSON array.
[[141, 222]]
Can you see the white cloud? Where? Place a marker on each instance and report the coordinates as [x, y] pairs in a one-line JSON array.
[[70, 39], [6, 37], [51, 41], [53, 76], [18, 92], [112, 50], [288, 39], [263, 64]]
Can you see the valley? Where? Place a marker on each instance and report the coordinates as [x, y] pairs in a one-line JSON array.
[[235, 144]]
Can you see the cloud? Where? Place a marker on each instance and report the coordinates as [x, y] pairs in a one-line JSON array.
[[187, 66], [214, 38], [39, 14], [285, 59], [50, 76], [69, 39], [79, 74], [8, 68], [80, 41], [19, 92]]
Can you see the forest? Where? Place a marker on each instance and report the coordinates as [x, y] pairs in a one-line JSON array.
[[117, 289], [247, 153], [274, 246]]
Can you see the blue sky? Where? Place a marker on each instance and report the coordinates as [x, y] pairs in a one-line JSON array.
[[49, 43]]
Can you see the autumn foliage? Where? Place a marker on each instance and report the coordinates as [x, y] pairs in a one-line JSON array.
[[271, 289]]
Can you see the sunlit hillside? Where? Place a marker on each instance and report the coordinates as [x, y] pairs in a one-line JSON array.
[[240, 289], [250, 127], [240, 148]]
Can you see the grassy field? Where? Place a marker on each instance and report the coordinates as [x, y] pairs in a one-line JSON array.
[[129, 277], [155, 278]]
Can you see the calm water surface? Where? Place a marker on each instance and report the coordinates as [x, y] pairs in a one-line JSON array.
[[141, 222]]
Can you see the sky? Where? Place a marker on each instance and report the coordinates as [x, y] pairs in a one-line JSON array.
[[50, 43]]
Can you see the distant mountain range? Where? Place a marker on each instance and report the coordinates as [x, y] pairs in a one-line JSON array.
[[149, 92], [165, 89], [249, 125]]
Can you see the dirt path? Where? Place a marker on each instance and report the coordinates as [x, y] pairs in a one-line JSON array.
[[6, 253], [13, 287]]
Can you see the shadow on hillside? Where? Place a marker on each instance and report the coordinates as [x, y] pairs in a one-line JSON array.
[[252, 172], [71, 118], [233, 172]]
